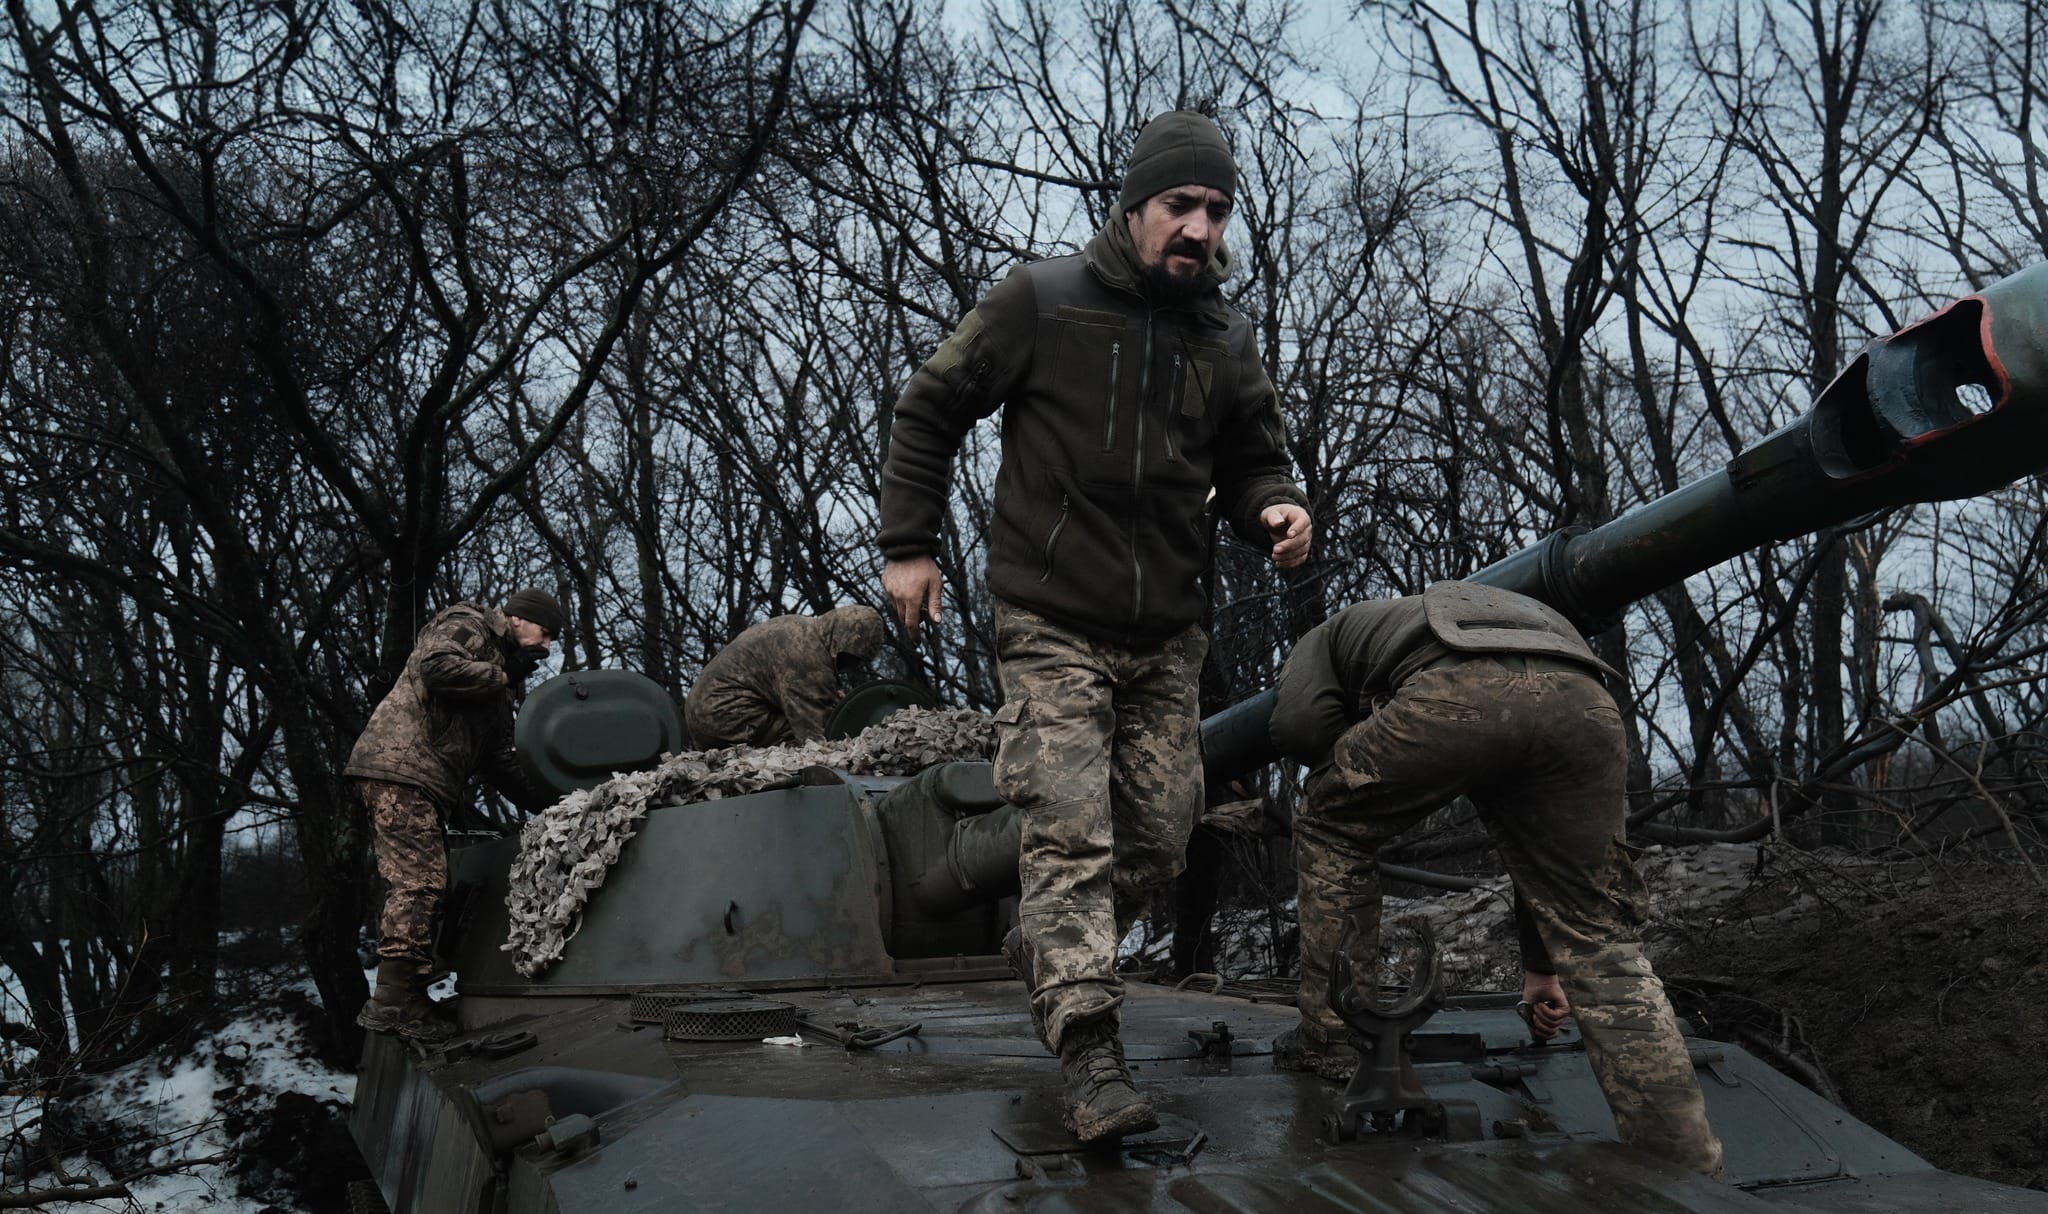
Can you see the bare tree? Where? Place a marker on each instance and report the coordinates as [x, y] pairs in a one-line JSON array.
[[414, 224]]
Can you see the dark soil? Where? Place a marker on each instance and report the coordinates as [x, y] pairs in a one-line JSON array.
[[1921, 997], [297, 1153]]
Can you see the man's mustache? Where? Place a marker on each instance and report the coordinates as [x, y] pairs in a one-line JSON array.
[[1187, 248]]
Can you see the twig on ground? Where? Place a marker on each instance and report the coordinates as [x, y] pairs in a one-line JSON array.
[[81, 1191]]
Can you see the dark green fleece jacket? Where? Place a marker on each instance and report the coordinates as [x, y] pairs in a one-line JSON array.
[[1120, 415]]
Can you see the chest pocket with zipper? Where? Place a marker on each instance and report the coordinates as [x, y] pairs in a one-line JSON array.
[[1096, 361], [1190, 417], [1197, 387]]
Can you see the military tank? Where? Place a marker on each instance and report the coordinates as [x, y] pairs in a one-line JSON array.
[[655, 1065]]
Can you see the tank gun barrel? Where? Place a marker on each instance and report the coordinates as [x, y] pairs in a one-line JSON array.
[[1952, 406]]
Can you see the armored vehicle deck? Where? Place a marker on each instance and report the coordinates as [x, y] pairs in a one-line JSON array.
[[633, 1075], [963, 1115]]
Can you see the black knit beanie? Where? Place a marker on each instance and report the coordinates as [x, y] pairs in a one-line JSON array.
[[538, 606], [1180, 147]]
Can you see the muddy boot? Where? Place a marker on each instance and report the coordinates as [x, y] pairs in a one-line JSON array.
[[1100, 1101], [400, 1006], [1305, 1048]]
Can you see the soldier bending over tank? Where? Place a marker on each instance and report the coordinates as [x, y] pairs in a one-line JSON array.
[[1129, 389], [779, 680], [1398, 706], [448, 718]]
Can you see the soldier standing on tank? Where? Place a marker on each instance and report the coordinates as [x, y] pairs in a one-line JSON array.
[[1398, 706], [1130, 390], [779, 680], [446, 720]]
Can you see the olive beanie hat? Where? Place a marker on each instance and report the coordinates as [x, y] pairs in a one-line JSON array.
[[1180, 147], [538, 606]]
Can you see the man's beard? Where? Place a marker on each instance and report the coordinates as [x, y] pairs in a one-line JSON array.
[[1161, 283]]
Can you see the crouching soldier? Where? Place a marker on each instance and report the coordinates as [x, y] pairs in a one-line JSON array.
[[447, 720], [1399, 706], [779, 680]]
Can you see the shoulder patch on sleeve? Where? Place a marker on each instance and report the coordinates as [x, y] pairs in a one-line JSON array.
[[953, 351]]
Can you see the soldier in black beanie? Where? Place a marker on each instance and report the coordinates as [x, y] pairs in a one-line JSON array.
[[446, 721], [1132, 391]]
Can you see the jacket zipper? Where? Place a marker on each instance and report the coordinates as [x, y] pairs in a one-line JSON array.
[[1116, 355], [1138, 477], [1053, 537], [1180, 387], [968, 385]]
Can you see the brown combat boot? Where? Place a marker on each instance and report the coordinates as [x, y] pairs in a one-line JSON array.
[[1306, 1048], [1101, 1103], [400, 1006]]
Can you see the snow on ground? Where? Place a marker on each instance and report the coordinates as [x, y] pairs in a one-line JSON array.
[[205, 1104]]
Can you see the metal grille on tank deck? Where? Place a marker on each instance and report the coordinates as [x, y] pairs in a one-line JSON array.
[[654, 1008], [729, 1020]]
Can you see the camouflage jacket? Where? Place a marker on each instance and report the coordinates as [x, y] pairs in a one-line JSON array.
[[1348, 662], [449, 717], [1120, 414], [779, 680]]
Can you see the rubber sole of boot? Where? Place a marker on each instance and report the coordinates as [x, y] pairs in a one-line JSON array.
[[1130, 1119], [380, 1019]]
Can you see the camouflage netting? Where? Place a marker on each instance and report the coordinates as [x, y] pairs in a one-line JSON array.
[[565, 851]]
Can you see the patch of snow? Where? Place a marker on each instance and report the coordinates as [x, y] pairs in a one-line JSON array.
[[181, 1107], [1139, 939]]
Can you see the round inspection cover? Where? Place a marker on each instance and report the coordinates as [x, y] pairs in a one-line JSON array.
[[873, 703], [729, 1020], [578, 728]]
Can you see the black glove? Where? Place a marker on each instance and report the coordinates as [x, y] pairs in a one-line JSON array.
[[525, 660]]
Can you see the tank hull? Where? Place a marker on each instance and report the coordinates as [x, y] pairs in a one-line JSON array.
[[575, 1098]]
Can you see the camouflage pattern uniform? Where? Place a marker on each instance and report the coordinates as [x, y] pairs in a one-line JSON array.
[[1536, 742], [447, 718], [1133, 413], [413, 860], [1121, 415], [779, 680], [1098, 745]]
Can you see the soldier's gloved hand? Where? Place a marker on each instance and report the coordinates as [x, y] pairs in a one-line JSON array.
[[1543, 1004]]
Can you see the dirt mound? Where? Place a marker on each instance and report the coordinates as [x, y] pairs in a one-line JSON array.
[[1920, 995]]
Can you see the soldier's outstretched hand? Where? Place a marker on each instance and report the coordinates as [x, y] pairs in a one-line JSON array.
[[1288, 526], [912, 586], [1543, 1004]]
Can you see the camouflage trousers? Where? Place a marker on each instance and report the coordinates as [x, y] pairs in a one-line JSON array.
[[1540, 751], [1099, 746], [412, 857]]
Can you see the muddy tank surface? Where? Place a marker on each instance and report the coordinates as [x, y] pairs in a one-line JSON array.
[[643, 1068]]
